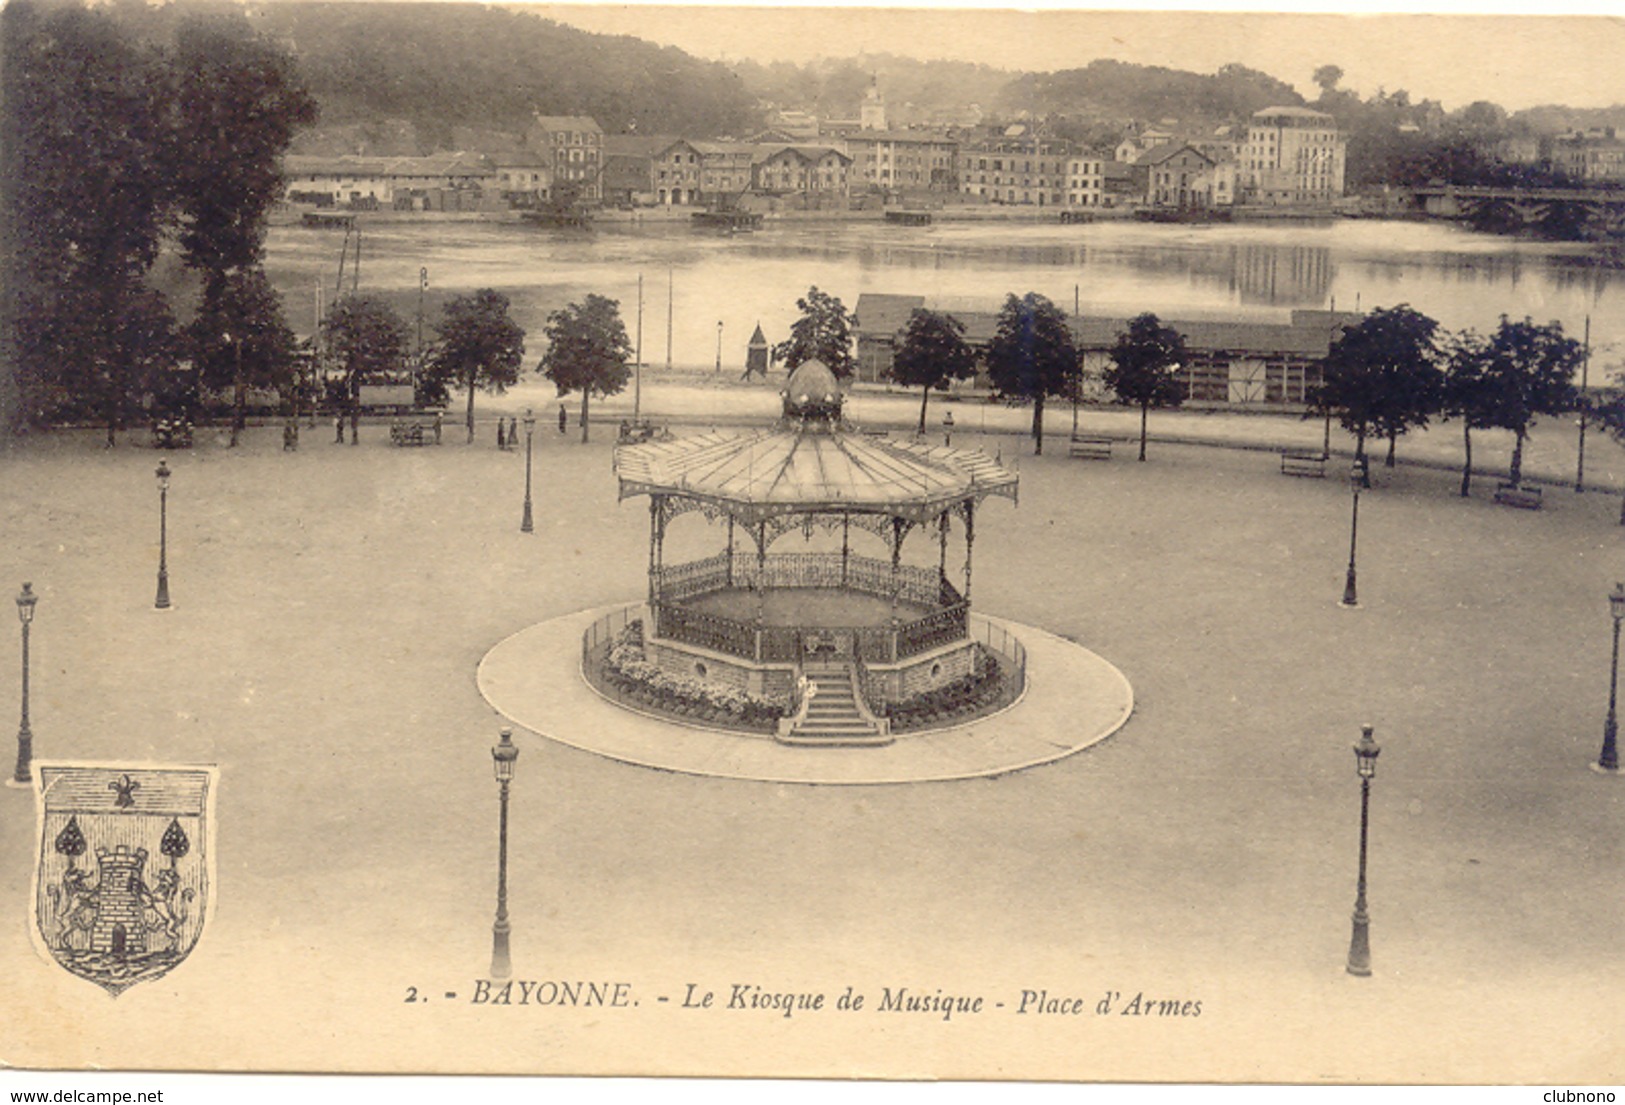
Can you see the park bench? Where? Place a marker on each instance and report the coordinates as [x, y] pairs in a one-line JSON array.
[[1085, 447], [1303, 464], [635, 433], [1525, 498], [411, 433], [171, 434]]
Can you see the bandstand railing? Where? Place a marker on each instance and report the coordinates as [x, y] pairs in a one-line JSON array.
[[922, 586]]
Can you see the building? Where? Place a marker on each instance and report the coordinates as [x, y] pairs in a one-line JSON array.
[[1594, 155], [574, 144], [1233, 363], [897, 160], [677, 174], [725, 170], [629, 167], [370, 183], [1016, 166], [804, 170], [1293, 157], [1086, 180], [523, 178], [1176, 176]]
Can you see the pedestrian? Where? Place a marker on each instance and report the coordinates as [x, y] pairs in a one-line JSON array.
[[439, 424], [513, 433], [564, 418], [338, 429], [502, 442], [355, 427], [290, 436]]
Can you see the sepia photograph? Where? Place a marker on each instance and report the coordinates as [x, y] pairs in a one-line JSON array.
[[821, 543]]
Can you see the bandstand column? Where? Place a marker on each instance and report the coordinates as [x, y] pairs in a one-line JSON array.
[[896, 580], [654, 537], [942, 548], [970, 538], [730, 576], [761, 583], [846, 530]]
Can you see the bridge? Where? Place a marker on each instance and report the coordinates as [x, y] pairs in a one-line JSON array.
[[1564, 212]]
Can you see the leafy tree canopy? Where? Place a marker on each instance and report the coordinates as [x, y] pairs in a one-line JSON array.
[[933, 352], [1032, 354], [368, 339], [823, 333], [1143, 363], [1381, 374]]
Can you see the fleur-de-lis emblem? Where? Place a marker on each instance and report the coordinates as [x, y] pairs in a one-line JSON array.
[[126, 788]]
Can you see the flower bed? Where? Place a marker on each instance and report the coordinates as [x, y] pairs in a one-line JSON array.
[[985, 690], [628, 675]]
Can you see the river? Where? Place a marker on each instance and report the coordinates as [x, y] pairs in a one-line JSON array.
[[1256, 269]]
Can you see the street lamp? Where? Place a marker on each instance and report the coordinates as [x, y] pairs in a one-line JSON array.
[[162, 601], [527, 526], [503, 755], [948, 427], [719, 345], [1608, 762], [1356, 480], [25, 736], [1365, 760]]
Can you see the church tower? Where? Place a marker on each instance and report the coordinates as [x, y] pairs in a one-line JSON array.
[[872, 115]]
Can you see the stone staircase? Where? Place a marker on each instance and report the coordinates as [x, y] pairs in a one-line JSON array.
[[836, 717]]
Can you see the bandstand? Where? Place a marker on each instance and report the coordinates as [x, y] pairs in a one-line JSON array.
[[838, 638]]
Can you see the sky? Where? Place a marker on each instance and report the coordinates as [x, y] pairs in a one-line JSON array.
[[1511, 57]]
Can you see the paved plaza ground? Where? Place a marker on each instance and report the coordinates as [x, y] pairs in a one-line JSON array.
[[331, 606]]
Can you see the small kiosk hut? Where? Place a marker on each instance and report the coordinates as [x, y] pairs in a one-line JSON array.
[[837, 636]]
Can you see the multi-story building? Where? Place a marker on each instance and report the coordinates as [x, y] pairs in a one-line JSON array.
[[903, 159], [629, 171], [1591, 155], [1293, 156], [725, 169], [807, 170], [1173, 176], [1015, 167], [1086, 180], [677, 174], [523, 176], [575, 146]]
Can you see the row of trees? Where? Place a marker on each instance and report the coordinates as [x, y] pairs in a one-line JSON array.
[[1390, 373], [1396, 371], [126, 141], [479, 347]]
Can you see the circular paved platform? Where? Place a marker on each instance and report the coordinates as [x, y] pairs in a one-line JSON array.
[[1073, 699]]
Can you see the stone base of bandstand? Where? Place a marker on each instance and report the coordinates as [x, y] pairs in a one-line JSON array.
[[1073, 699]]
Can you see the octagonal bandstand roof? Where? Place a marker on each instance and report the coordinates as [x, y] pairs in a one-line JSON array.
[[801, 470]]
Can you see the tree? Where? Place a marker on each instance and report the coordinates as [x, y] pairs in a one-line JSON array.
[[823, 333], [84, 188], [1143, 364], [1468, 394], [237, 102], [1327, 77], [479, 347], [1610, 414], [367, 338], [1529, 371], [1032, 355], [1380, 376], [587, 351], [932, 353], [240, 340]]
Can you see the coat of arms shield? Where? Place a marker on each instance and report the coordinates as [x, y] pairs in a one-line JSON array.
[[121, 886]]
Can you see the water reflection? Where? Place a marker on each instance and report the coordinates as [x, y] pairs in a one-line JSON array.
[[1250, 269]]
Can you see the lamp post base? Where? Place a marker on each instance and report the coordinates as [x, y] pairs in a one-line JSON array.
[[526, 525], [162, 601], [1359, 963], [501, 965]]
